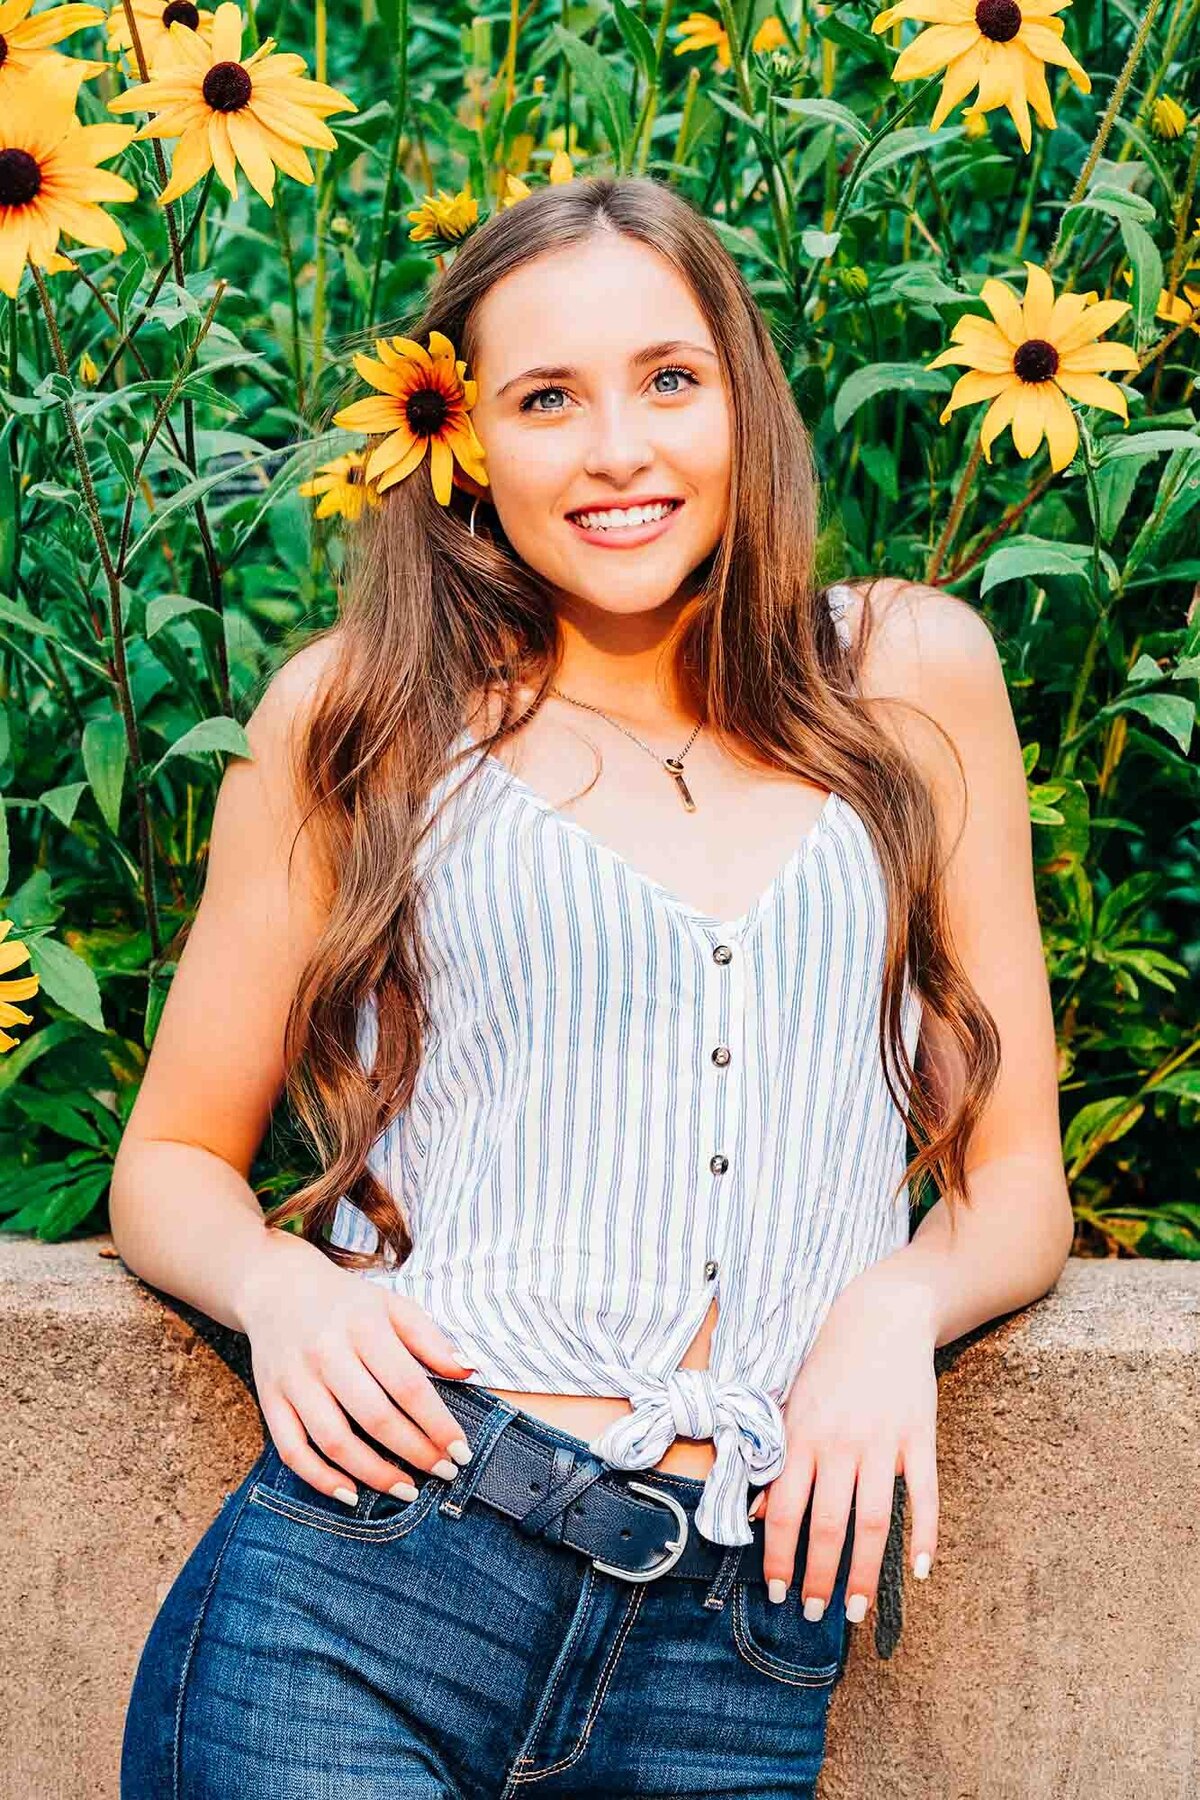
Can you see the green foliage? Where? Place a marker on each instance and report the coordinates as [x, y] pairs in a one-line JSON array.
[[155, 555]]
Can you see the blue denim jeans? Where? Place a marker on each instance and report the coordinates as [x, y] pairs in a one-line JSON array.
[[389, 1651]]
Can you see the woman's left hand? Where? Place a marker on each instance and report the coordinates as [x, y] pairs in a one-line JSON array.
[[862, 1409]]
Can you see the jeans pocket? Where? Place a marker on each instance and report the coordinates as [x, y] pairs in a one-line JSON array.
[[376, 1517], [777, 1639]]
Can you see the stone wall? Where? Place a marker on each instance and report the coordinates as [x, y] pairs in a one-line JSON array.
[[1053, 1654]]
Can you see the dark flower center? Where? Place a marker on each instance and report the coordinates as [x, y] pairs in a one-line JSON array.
[[20, 177], [1035, 360], [181, 12], [426, 411], [3, 49], [999, 20], [227, 87], [354, 476]]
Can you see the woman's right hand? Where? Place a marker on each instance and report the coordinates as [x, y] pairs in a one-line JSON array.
[[326, 1343]]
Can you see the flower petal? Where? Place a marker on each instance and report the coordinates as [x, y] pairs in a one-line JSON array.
[[1090, 359], [1062, 433], [1093, 322], [998, 417], [1038, 307], [1093, 390], [1005, 308], [1028, 423], [933, 50]]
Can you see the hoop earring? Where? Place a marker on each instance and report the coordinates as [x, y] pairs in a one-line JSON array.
[[472, 521]]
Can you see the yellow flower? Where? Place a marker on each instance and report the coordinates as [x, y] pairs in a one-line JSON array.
[[24, 43], [154, 19], [975, 123], [1030, 358], [998, 45], [1179, 309], [11, 955], [423, 401], [561, 169], [343, 486], [514, 189], [446, 217], [89, 374], [49, 181], [224, 111], [770, 35], [699, 32], [1167, 118]]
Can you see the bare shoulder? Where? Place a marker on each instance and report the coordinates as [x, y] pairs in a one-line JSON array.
[[294, 688], [917, 634]]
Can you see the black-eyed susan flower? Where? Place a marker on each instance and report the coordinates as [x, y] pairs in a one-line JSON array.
[[1001, 46], [49, 181], [424, 402], [1033, 357], [154, 19], [25, 43], [1182, 308], [699, 32], [1167, 118], [343, 487], [224, 111], [24, 988], [446, 218]]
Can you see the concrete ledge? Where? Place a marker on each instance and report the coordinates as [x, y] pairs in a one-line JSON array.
[[1053, 1653]]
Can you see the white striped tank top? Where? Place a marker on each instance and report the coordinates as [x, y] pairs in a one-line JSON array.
[[626, 1107]]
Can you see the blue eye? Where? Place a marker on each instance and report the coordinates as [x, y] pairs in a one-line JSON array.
[[527, 405]]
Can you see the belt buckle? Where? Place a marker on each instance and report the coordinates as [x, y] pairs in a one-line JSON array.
[[674, 1546]]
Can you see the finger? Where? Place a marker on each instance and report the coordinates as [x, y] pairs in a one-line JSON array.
[[333, 1434], [296, 1453], [785, 1513], [356, 1390], [872, 1521], [425, 1339], [921, 1481], [757, 1504], [833, 1493], [403, 1380]]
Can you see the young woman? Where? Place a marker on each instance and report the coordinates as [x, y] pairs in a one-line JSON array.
[[610, 902]]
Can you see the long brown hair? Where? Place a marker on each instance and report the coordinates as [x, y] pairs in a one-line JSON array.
[[431, 616]]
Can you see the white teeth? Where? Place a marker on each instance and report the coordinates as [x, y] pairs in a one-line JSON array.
[[624, 516]]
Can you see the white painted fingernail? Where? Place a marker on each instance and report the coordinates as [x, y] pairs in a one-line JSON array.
[[460, 1450], [347, 1495], [814, 1608], [403, 1490], [776, 1590], [921, 1566], [856, 1608], [446, 1469]]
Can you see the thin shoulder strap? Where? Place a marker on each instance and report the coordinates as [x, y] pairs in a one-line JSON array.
[[839, 597]]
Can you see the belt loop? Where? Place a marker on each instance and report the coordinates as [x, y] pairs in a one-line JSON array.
[[500, 1416], [723, 1580]]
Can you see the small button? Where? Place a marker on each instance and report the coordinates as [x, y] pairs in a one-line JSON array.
[[721, 1055], [718, 1163], [722, 953], [710, 1271]]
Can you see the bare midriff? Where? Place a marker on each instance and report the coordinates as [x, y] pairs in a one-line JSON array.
[[586, 1415]]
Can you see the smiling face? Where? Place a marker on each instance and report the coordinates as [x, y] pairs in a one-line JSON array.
[[600, 391]]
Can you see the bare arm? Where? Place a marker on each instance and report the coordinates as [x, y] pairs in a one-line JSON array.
[[328, 1347]]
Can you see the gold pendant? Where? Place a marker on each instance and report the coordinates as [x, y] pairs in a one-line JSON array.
[[675, 768]]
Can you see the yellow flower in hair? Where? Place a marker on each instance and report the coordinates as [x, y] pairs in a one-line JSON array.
[[342, 485], [1031, 358], [424, 401], [11, 956], [446, 217], [259, 112], [1001, 46], [699, 32]]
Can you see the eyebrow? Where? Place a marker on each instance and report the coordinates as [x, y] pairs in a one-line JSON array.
[[651, 353]]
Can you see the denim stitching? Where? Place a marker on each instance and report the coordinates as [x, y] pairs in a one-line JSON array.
[[794, 1674], [602, 1685], [366, 1531], [582, 1609], [186, 1668]]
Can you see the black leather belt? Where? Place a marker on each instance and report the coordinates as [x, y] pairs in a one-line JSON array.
[[636, 1527]]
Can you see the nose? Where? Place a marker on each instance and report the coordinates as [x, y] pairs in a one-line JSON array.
[[618, 443]]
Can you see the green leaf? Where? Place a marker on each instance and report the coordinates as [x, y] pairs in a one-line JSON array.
[[62, 801], [1147, 267], [215, 734], [884, 378], [820, 244], [67, 980], [901, 146], [105, 754], [165, 608], [598, 81], [1106, 1119], [880, 465], [1147, 443], [638, 40], [1035, 556], [1172, 713], [828, 112]]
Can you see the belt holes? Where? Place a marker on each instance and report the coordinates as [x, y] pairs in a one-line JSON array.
[[535, 1487], [625, 1531]]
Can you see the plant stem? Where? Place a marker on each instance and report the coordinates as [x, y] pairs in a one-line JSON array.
[[393, 157], [954, 517]]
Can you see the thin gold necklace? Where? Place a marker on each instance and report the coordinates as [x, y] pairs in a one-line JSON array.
[[672, 764]]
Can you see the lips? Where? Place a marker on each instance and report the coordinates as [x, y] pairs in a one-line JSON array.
[[621, 537], [625, 505]]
